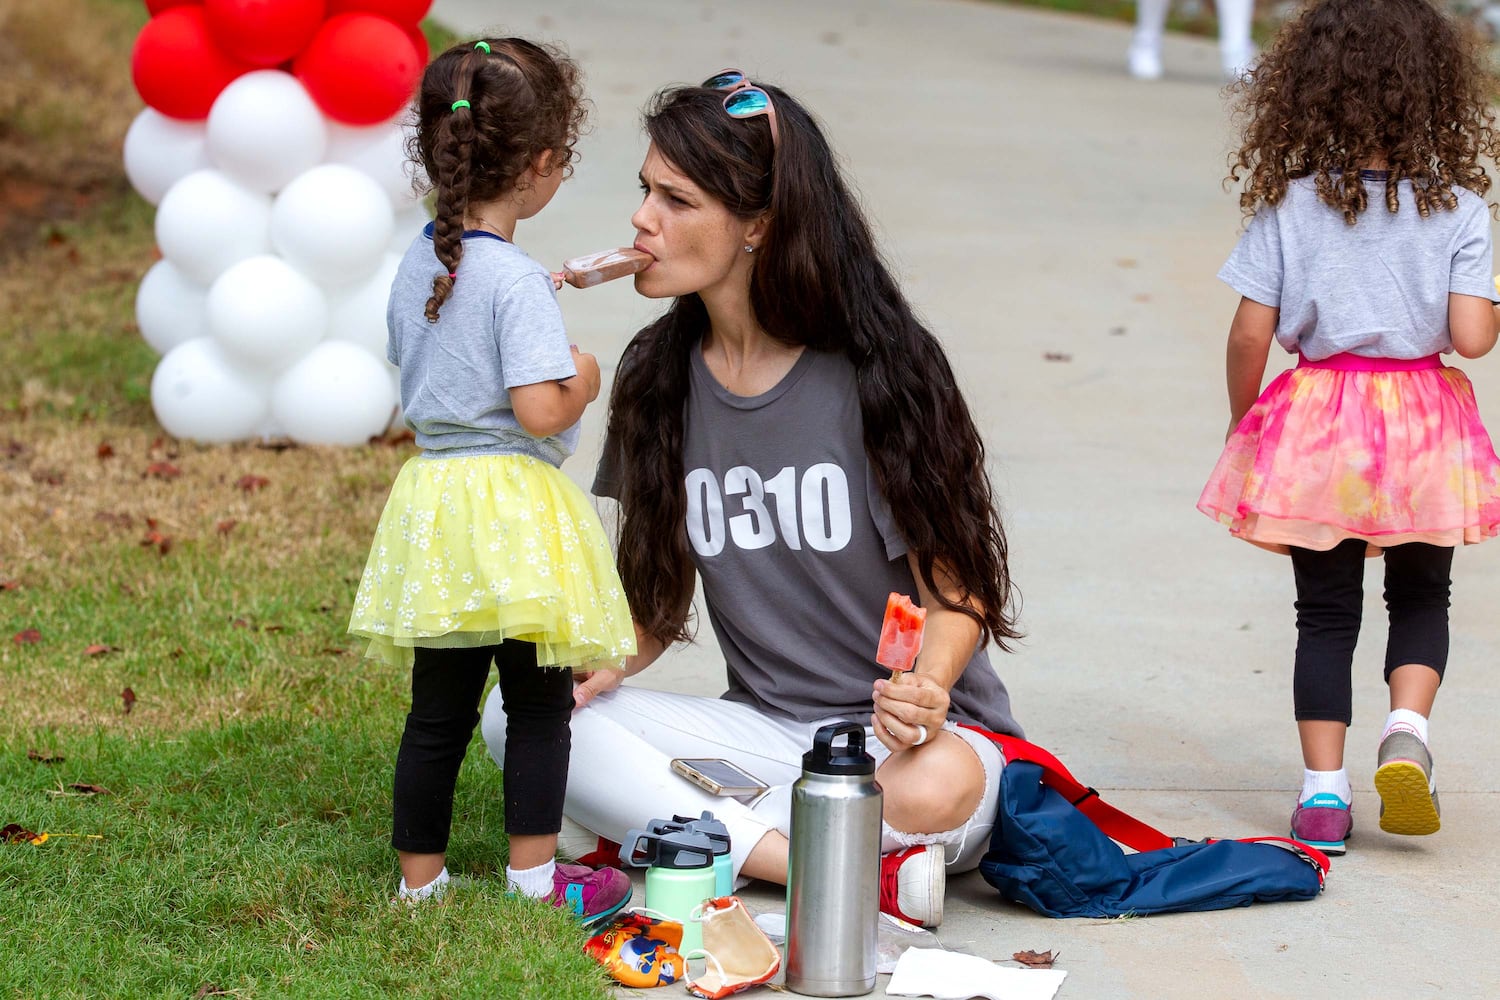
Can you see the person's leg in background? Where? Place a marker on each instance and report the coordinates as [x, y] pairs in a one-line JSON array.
[[1417, 586], [1236, 51], [1145, 44]]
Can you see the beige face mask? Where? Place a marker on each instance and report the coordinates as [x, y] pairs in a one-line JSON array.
[[738, 953]]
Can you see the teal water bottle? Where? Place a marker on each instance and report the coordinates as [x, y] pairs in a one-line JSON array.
[[718, 835], [680, 878]]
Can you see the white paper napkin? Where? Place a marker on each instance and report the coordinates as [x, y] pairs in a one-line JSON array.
[[950, 975]]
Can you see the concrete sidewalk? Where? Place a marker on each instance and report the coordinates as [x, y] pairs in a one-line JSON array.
[[1036, 201]]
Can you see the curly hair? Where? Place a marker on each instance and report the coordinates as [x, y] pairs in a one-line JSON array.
[[819, 282], [522, 99], [1351, 84]]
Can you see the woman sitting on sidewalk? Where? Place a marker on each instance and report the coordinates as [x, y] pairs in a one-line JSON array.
[[792, 412]]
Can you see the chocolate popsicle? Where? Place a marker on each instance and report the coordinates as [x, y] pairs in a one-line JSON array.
[[595, 268]]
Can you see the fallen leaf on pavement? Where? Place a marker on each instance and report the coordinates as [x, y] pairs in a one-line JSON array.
[[128, 697], [1057, 356], [45, 756], [1035, 959]]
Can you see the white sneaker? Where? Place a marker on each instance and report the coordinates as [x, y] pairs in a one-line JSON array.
[[912, 883], [1145, 64]]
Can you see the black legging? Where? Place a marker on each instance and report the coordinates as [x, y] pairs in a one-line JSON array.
[[445, 689], [1330, 598]]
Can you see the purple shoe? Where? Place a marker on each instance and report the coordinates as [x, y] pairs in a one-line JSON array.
[[590, 895], [1324, 821]]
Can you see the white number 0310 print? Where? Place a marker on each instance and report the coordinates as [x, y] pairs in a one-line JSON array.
[[812, 510]]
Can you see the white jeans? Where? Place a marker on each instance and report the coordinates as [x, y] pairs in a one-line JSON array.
[[620, 776]]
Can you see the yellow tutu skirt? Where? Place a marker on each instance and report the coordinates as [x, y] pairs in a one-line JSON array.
[[474, 550]]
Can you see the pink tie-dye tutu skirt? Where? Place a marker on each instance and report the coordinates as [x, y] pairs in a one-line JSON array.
[[1350, 447]]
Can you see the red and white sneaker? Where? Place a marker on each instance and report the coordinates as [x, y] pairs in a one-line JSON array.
[[912, 883]]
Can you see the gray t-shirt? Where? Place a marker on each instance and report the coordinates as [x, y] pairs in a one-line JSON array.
[[795, 547], [1378, 288], [500, 328]]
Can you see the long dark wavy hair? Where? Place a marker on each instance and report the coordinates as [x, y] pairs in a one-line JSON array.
[[523, 99], [818, 281], [1352, 82]]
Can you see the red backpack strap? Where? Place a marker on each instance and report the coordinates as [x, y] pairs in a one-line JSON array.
[[1118, 826]]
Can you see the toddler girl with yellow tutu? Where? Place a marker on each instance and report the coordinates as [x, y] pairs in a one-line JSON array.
[[485, 551], [1369, 256]]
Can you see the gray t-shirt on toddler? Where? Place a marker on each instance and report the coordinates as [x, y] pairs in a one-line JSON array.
[[500, 328], [1378, 288], [796, 549]]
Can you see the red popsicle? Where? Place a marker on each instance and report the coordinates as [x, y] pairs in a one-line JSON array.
[[900, 634]]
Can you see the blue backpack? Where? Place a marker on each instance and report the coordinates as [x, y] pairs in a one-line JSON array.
[[1053, 848]]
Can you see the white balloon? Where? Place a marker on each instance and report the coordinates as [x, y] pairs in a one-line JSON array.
[[160, 151], [337, 394], [198, 393], [381, 152], [264, 129], [207, 222], [265, 312], [357, 314], [408, 225], [170, 308], [332, 223]]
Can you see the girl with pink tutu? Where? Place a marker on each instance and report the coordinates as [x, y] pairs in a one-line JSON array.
[[1367, 254]]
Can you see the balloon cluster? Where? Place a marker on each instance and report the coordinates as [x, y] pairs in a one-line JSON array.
[[272, 148]]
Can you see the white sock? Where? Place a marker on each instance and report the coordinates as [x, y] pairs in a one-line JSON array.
[[432, 890], [1334, 782], [1408, 721], [535, 882]]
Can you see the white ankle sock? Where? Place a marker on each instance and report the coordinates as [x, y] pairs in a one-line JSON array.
[[1405, 718], [1335, 782], [432, 890], [535, 882]]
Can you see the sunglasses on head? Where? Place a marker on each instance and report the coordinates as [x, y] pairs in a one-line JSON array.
[[744, 100]]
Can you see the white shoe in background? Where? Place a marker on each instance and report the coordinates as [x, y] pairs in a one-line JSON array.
[[1145, 63]]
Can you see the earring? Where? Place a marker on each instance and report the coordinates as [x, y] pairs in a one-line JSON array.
[[749, 248]]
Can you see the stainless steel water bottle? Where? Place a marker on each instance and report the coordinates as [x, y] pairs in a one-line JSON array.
[[833, 873]]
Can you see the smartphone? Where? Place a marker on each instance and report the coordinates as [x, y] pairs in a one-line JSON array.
[[718, 776]]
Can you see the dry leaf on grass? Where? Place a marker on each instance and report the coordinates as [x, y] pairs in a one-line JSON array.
[[128, 697], [1036, 959], [226, 526], [162, 542], [105, 450], [15, 833], [27, 637], [49, 477], [250, 483], [45, 756], [10, 584], [99, 649], [88, 789], [163, 470]]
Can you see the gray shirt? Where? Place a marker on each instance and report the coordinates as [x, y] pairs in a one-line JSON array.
[[1378, 288], [500, 328], [796, 549]]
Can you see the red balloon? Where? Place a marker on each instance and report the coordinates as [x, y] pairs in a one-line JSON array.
[[157, 6], [176, 66], [263, 32], [359, 68], [400, 11], [419, 42]]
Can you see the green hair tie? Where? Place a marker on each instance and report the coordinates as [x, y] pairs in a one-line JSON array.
[[459, 104], [485, 46]]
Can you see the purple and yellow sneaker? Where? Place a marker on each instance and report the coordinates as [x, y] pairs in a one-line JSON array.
[[591, 896], [1324, 821], [1408, 795]]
